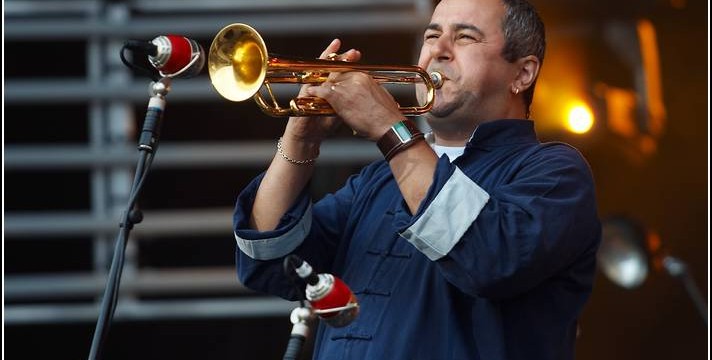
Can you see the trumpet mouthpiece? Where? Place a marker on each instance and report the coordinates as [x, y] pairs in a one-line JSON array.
[[437, 79]]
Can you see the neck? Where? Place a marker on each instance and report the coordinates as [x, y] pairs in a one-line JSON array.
[[443, 139], [451, 133]]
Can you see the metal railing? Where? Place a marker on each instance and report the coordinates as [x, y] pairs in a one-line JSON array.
[[108, 156]]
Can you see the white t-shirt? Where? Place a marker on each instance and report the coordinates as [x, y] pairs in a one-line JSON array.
[[452, 152]]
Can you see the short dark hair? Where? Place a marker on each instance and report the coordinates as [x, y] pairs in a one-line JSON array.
[[523, 35]]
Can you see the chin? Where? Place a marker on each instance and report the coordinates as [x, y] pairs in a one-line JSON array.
[[438, 122], [449, 118], [442, 111]]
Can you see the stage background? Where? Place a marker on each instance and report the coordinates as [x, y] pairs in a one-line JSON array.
[[71, 110]]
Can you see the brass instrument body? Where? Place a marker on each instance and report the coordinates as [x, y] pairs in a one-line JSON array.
[[239, 65]]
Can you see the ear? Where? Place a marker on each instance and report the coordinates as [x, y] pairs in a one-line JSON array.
[[527, 72]]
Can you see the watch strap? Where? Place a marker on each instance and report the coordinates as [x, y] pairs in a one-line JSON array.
[[399, 137]]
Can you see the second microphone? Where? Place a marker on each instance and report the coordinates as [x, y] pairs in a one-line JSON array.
[[331, 298]]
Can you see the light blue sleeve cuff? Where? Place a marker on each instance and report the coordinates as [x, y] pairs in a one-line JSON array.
[[276, 247], [448, 216]]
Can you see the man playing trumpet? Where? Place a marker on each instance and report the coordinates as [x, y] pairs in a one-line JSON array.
[[476, 241]]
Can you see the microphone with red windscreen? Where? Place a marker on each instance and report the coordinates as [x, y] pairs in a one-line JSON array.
[[329, 296], [176, 55], [171, 55]]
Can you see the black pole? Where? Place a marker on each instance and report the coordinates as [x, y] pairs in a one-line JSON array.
[[300, 330], [679, 270], [148, 145]]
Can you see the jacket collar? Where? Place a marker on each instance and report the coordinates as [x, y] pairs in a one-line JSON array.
[[503, 132]]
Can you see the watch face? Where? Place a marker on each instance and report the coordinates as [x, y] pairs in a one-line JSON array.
[[402, 131]]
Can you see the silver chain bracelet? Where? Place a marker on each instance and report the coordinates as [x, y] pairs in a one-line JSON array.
[[280, 151]]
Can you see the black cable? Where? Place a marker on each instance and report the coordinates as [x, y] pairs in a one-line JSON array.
[[140, 70], [290, 265], [294, 347], [297, 338], [130, 217], [110, 299], [147, 150]]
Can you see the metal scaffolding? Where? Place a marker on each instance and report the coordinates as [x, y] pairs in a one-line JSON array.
[[110, 94]]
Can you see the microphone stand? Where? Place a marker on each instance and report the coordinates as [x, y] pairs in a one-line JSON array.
[[299, 317], [679, 270], [147, 146]]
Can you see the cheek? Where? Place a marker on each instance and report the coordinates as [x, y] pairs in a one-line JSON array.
[[486, 72], [424, 57], [420, 94], [420, 89], [479, 79]]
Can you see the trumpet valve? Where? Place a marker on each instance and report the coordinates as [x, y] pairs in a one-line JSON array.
[[312, 77]]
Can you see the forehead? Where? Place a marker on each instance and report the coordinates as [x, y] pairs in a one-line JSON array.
[[485, 14]]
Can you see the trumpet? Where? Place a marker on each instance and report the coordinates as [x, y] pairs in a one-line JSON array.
[[239, 66]]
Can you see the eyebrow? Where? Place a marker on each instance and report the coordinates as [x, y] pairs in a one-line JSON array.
[[457, 26]]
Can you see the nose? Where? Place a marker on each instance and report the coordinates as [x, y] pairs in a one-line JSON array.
[[441, 49]]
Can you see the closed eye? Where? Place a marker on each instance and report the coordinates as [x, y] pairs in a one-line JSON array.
[[467, 37], [431, 36]]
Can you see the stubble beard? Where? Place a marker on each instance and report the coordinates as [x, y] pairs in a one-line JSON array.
[[452, 116]]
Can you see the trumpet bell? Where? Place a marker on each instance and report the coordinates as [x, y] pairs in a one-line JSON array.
[[237, 62], [239, 66]]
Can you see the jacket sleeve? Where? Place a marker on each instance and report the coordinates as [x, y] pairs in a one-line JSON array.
[[505, 240], [311, 231]]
